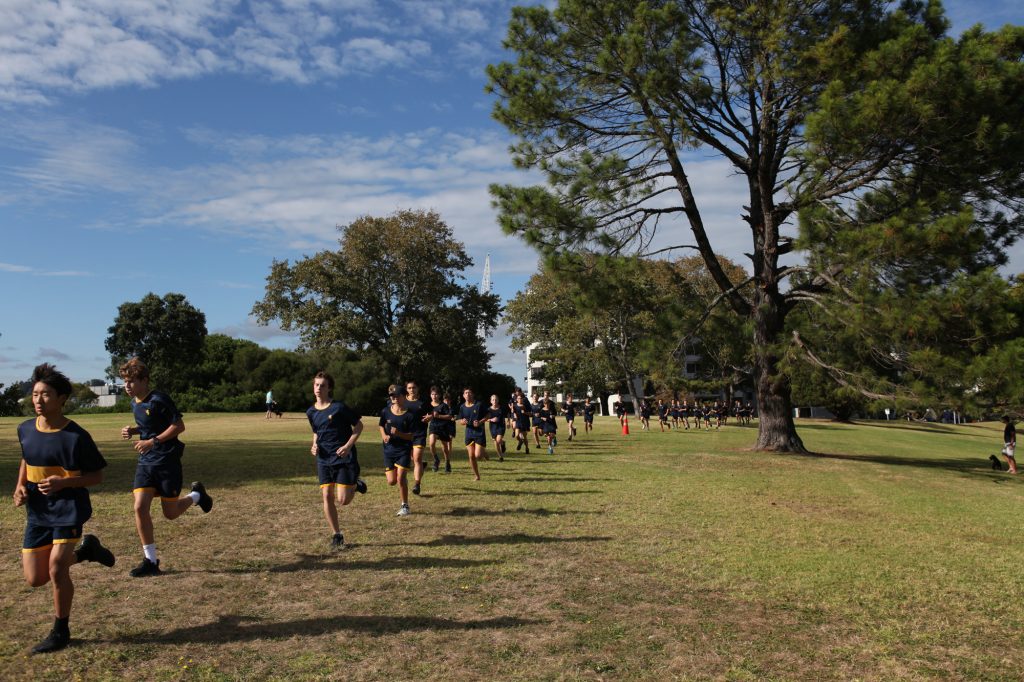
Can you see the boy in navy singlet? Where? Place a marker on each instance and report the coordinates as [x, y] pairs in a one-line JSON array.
[[59, 460], [473, 415], [336, 429], [158, 425]]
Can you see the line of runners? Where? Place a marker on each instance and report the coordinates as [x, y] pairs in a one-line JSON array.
[[60, 461], [671, 414]]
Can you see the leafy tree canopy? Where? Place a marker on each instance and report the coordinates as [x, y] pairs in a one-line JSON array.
[[395, 289]]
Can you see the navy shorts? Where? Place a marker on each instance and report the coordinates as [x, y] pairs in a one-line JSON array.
[[497, 429], [419, 440], [164, 479], [588, 419], [43, 537], [344, 474], [397, 461], [550, 427], [479, 439]]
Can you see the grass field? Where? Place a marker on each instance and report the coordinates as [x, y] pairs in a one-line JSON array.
[[896, 554]]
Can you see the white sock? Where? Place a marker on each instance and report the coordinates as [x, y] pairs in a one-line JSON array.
[[150, 552], [195, 496]]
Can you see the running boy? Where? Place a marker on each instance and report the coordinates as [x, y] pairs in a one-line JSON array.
[[437, 428], [419, 433], [158, 425], [588, 415], [59, 461], [496, 419], [336, 429], [396, 433]]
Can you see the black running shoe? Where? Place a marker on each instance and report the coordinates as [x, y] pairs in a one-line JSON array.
[[55, 641], [527, 449], [415, 488], [205, 501], [90, 549], [360, 486], [146, 568], [447, 467], [338, 541], [519, 445]]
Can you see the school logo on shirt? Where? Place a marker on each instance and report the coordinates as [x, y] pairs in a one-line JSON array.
[[147, 413]]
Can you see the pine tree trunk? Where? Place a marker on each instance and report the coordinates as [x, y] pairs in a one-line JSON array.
[[776, 429]]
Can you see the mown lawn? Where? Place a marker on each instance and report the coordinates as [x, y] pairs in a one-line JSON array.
[[682, 555]]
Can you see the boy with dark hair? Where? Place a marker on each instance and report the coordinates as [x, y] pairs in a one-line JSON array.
[[396, 427], [59, 461], [421, 415], [473, 415], [158, 425], [336, 428]]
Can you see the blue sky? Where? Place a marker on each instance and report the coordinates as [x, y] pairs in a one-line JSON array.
[[181, 145]]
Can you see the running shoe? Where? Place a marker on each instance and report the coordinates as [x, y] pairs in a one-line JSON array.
[[90, 549], [55, 641], [146, 568], [205, 501], [415, 488], [338, 541], [447, 467], [360, 486], [403, 510]]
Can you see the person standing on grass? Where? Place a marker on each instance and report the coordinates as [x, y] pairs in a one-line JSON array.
[[59, 461], [336, 428], [496, 424], [440, 414], [419, 433], [270, 403], [473, 416], [158, 425], [396, 433], [1010, 442]]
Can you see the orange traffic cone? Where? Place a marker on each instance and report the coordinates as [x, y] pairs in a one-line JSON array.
[[625, 426]]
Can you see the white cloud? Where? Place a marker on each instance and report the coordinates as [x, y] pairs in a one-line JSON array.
[[50, 48], [271, 335], [35, 272]]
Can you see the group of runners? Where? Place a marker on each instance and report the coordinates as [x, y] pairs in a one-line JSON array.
[[60, 461], [677, 413]]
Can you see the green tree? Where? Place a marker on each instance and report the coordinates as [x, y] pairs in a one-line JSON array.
[[394, 289], [166, 333], [9, 400], [846, 108]]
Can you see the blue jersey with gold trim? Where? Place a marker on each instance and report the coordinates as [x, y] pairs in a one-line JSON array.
[[153, 415], [391, 422], [333, 427], [70, 451]]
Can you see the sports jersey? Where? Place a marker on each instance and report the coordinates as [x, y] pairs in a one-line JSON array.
[[588, 412], [153, 415], [522, 414], [69, 451], [439, 426], [547, 420], [497, 428], [391, 422], [333, 427], [418, 408], [477, 412], [569, 408]]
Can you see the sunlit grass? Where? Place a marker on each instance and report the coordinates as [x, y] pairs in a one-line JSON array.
[[683, 555]]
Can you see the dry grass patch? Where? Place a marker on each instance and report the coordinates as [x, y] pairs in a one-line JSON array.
[[657, 556]]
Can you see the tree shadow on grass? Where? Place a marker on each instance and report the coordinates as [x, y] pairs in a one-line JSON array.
[[507, 539], [518, 493], [234, 628], [471, 511], [967, 465], [337, 562], [561, 478], [936, 429]]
